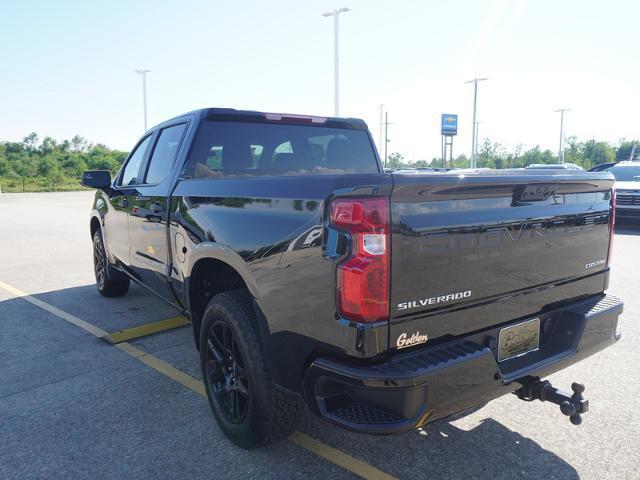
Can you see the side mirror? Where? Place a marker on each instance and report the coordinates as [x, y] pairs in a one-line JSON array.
[[100, 179]]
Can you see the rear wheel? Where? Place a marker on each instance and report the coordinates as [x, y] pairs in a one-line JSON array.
[[110, 282], [249, 408]]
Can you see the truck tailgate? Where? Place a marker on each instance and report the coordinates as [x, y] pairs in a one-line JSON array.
[[464, 240]]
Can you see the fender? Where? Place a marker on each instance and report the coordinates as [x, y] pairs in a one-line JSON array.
[[224, 254], [98, 211], [99, 216]]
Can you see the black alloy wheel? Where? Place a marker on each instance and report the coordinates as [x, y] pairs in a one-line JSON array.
[[226, 377], [99, 261], [250, 409], [110, 282]]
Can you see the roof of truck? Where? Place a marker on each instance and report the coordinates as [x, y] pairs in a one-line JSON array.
[[254, 116]]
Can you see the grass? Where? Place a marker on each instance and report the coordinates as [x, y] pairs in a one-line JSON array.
[[38, 184]]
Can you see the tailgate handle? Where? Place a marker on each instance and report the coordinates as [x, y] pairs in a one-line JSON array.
[[534, 193]]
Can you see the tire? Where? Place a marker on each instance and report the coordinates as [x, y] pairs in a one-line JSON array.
[[248, 407], [109, 281]]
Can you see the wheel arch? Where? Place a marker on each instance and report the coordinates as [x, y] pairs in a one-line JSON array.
[[94, 225], [214, 269]]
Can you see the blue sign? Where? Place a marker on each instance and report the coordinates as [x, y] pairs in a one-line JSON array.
[[449, 125]]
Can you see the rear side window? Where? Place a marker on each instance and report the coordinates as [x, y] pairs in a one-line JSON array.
[[164, 154], [130, 174], [240, 148]]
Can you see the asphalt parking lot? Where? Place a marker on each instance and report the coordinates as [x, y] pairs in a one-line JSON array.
[[74, 406]]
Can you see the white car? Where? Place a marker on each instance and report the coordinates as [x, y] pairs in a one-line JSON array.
[[627, 189]]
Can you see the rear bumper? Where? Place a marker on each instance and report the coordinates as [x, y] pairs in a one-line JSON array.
[[412, 389]]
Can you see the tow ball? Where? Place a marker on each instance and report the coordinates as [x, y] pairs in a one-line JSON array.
[[570, 405]]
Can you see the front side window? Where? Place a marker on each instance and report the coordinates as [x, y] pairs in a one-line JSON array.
[[130, 174], [164, 154], [242, 148]]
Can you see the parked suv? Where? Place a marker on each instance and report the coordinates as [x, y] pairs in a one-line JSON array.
[[627, 189]]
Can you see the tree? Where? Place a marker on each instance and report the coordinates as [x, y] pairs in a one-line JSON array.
[[79, 144], [395, 161], [74, 165], [420, 164], [595, 153], [535, 155], [461, 161], [623, 152], [47, 146], [47, 166], [573, 152], [5, 167], [50, 163], [490, 155], [30, 142], [26, 167]]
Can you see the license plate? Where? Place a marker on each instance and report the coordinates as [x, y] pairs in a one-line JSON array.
[[518, 339]]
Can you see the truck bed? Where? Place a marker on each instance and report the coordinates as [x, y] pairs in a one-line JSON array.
[[462, 241]]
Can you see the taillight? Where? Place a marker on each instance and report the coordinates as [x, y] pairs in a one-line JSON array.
[[363, 278], [612, 221]]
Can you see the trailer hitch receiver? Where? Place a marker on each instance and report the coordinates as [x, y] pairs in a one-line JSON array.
[[571, 405]]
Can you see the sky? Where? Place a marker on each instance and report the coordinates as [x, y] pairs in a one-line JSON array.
[[68, 66]]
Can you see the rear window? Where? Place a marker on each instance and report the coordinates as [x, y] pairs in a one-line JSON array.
[[240, 148]]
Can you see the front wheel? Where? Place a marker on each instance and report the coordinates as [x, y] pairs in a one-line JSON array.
[[249, 408], [110, 282]]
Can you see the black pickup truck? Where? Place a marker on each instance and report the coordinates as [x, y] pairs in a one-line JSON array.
[[382, 301]]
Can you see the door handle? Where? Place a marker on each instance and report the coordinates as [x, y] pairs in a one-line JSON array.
[[124, 203], [142, 198]]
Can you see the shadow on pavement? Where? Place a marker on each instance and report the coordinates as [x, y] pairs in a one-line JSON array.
[[74, 406], [34, 341], [135, 308], [442, 450], [627, 226]]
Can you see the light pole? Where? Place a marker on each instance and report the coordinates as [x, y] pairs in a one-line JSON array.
[[477, 132], [561, 148], [473, 133], [144, 72], [386, 136], [335, 14], [381, 122]]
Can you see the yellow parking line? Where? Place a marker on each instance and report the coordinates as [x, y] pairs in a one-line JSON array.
[[338, 457], [164, 368], [92, 329], [146, 329], [129, 349], [333, 455]]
